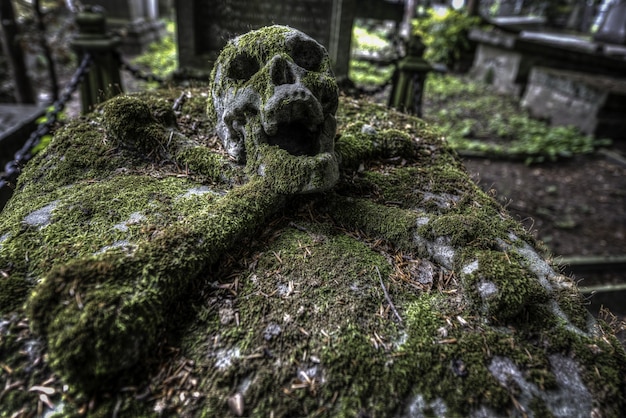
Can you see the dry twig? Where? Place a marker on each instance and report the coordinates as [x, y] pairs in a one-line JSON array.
[[393, 308]]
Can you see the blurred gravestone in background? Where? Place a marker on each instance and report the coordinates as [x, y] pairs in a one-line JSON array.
[[613, 28], [137, 20], [204, 26]]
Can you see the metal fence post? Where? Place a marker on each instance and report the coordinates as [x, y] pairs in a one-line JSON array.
[[409, 80], [103, 80]]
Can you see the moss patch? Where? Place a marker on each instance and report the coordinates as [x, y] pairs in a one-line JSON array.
[[501, 288]]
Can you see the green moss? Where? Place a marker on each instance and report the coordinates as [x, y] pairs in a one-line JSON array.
[[68, 305], [389, 223], [336, 274], [571, 301], [465, 225], [289, 175], [280, 289], [13, 292], [259, 47], [400, 185], [129, 123], [204, 161], [602, 365], [117, 300], [450, 178], [354, 146], [501, 288], [86, 155]]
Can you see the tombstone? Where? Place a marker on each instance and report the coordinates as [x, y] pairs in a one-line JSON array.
[[204, 26], [505, 59], [137, 20], [612, 30], [592, 103], [157, 259], [497, 62]]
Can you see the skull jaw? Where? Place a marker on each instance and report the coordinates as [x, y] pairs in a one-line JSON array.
[[293, 174], [289, 174]]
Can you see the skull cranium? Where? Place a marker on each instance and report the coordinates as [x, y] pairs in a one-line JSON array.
[[274, 97]]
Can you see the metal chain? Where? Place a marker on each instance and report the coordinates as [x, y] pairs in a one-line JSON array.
[[138, 73], [13, 168]]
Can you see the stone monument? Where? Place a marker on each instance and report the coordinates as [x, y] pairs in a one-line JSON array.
[[258, 259], [613, 28], [204, 26]]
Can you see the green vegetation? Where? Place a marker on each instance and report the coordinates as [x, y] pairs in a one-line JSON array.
[[475, 119], [161, 57], [472, 117], [365, 73], [445, 35], [45, 140], [144, 273]]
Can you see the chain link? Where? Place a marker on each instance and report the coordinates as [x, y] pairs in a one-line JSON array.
[[13, 168], [138, 73]]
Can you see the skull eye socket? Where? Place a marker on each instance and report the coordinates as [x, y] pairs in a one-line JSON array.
[[242, 67], [307, 54]]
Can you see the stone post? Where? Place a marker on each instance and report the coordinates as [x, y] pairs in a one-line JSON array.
[[409, 79], [103, 79]]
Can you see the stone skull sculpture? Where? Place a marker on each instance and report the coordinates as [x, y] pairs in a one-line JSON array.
[[274, 98]]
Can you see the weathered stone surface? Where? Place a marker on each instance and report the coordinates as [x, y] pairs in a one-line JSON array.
[[497, 63], [613, 28], [143, 271], [592, 103], [506, 59]]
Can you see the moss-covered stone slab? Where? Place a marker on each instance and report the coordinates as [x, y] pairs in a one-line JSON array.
[[144, 272]]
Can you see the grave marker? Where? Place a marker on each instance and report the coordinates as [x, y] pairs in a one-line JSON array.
[[593, 103], [204, 26], [612, 30]]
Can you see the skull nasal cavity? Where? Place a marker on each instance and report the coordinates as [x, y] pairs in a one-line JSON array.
[[281, 72]]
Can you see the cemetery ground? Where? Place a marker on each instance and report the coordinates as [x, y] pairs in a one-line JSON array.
[[560, 186], [564, 187]]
